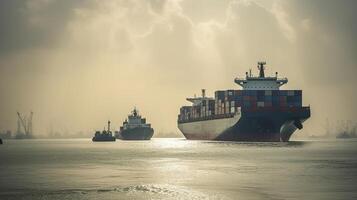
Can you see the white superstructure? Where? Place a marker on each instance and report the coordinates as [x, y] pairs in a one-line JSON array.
[[134, 120], [261, 82], [198, 100]]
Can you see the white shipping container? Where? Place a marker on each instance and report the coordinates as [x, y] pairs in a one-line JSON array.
[[238, 109], [232, 110], [260, 104], [232, 103]]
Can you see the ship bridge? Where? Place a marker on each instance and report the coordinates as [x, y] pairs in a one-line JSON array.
[[198, 100], [135, 120], [260, 82]]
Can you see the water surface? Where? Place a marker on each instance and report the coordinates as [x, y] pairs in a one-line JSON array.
[[177, 169]]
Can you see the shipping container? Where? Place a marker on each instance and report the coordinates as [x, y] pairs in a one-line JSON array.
[[268, 98], [282, 93], [232, 110], [237, 92], [290, 93], [268, 104], [268, 93], [261, 98]]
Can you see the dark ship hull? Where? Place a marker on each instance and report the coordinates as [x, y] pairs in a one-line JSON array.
[[103, 139], [256, 126], [138, 133]]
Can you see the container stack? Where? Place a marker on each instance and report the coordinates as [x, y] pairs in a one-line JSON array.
[[207, 108], [230, 101], [185, 113], [255, 99], [219, 102]]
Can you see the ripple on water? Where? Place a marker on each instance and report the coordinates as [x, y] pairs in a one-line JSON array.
[[157, 191]]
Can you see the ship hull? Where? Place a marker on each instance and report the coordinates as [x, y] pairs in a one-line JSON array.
[[262, 126], [103, 139], [138, 133]]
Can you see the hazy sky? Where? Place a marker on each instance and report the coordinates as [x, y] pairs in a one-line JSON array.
[[78, 63]]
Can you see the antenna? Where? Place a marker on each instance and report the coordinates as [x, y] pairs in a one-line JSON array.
[[135, 112], [203, 93], [261, 69], [108, 126]]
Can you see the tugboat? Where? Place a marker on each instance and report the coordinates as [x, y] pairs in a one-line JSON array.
[[135, 128], [104, 136]]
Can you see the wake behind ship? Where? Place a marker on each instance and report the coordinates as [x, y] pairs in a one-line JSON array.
[[258, 112], [135, 128]]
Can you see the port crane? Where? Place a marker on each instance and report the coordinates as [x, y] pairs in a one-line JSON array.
[[25, 122]]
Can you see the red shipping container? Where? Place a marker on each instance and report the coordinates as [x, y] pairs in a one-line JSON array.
[[253, 104]]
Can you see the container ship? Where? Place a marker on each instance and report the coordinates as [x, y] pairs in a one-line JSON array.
[[135, 128], [259, 112]]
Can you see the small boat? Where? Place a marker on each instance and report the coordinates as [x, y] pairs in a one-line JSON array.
[[0, 141], [104, 136]]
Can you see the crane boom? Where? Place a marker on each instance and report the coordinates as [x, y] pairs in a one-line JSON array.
[[22, 122], [29, 124]]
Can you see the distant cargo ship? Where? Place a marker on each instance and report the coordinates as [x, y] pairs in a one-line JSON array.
[[258, 112], [135, 128], [104, 136]]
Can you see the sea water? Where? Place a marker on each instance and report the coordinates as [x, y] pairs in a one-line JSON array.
[[177, 169]]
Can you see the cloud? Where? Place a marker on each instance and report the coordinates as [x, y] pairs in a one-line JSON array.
[[79, 63], [282, 18]]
